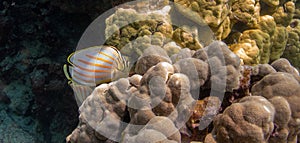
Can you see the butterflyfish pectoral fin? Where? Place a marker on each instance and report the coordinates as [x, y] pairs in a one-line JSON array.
[[81, 92]]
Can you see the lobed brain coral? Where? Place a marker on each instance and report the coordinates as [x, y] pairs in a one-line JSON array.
[[286, 88], [248, 121]]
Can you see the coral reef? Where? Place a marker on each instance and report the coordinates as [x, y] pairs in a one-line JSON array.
[[161, 102], [259, 32], [274, 89], [175, 87], [159, 93]]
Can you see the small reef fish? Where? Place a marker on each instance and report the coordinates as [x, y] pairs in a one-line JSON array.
[[92, 66]]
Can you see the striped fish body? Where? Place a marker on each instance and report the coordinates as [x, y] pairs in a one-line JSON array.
[[92, 66], [95, 65]]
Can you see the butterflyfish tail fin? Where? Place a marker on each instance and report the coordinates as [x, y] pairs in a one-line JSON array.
[[81, 92]]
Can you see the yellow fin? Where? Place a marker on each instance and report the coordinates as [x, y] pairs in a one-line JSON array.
[[66, 72]]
